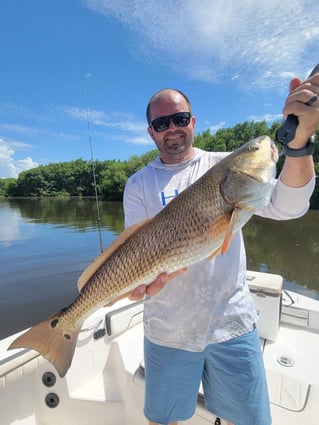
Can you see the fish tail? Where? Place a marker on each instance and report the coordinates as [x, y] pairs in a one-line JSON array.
[[52, 342]]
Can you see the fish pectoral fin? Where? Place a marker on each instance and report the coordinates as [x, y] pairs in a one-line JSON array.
[[100, 260], [229, 233], [175, 274], [213, 254]]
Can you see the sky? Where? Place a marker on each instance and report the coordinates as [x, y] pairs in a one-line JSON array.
[[75, 71]]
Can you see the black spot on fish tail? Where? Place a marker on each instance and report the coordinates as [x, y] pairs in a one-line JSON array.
[[67, 336], [54, 323]]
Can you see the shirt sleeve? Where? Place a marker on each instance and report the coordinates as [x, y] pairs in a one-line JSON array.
[[133, 203], [288, 202]]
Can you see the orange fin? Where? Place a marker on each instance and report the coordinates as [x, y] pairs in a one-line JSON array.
[[176, 273], [229, 233], [213, 254], [100, 260], [52, 342]]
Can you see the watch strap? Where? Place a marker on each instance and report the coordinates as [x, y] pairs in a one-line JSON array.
[[307, 150]]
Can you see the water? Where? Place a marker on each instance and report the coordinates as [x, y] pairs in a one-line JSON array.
[[45, 245]]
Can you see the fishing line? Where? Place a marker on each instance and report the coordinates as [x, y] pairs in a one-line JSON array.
[[97, 202]]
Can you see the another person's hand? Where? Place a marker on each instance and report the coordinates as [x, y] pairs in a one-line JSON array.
[[154, 287]]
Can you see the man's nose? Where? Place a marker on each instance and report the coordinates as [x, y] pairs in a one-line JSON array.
[[171, 124]]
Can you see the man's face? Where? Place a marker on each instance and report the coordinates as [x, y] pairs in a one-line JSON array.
[[174, 143]]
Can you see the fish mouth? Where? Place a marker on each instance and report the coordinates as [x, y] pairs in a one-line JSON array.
[[274, 152]]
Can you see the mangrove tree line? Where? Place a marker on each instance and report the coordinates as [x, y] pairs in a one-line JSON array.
[[75, 178]]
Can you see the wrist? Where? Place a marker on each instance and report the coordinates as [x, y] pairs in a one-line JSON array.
[[298, 152]]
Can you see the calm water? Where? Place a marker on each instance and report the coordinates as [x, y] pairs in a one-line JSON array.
[[45, 244]]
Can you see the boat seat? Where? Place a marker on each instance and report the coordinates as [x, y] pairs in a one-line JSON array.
[[121, 319]]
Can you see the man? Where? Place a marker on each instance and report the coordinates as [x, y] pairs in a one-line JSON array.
[[201, 325]]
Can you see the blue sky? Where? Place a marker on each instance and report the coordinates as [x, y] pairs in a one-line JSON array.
[[64, 60]]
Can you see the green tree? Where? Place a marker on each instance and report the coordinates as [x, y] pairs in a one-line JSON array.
[[75, 178], [113, 181], [5, 184]]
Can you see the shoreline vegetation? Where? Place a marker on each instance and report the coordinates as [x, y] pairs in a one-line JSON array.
[[75, 178]]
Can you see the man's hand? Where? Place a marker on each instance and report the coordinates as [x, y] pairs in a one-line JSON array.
[[154, 287], [297, 172], [308, 116]]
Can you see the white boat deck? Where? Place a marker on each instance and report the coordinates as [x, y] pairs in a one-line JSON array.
[[105, 384]]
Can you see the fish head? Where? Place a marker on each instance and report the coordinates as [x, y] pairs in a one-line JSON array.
[[250, 173]]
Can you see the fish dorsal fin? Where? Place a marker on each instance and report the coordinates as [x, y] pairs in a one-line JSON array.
[[229, 233], [97, 263]]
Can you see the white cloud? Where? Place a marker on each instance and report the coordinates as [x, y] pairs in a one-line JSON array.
[[17, 128], [9, 165], [216, 127], [269, 118], [254, 43], [141, 141], [135, 140], [129, 129]]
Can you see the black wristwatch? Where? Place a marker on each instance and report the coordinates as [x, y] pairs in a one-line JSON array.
[[307, 150]]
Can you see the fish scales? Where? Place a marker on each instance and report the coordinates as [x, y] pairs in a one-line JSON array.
[[172, 235], [197, 224]]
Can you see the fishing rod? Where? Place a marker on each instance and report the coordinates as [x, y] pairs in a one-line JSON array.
[[97, 202]]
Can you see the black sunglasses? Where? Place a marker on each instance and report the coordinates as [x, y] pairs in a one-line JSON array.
[[180, 119]]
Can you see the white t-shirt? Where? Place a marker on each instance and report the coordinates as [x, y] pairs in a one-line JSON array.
[[211, 301]]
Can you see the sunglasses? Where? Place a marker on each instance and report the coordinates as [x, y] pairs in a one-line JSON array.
[[181, 119]]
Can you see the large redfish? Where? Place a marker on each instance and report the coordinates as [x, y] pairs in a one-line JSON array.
[[196, 225]]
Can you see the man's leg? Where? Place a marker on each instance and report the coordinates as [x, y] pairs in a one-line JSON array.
[[234, 381], [172, 379]]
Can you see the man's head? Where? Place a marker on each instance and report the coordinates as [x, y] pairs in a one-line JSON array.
[[171, 125]]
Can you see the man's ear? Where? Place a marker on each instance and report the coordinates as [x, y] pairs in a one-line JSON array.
[[150, 132]]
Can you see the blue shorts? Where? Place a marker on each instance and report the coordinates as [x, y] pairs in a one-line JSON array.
[[233, 377]]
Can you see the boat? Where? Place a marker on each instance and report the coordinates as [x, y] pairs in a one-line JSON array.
[[105, 384]]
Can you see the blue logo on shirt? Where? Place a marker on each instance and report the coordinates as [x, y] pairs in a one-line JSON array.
[[164, 198]]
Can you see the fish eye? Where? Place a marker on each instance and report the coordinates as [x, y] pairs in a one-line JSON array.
[[253, 147]]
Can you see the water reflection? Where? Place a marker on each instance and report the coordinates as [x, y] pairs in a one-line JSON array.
[[44, 246], [289, 248], [10, 228], [74, 212]]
